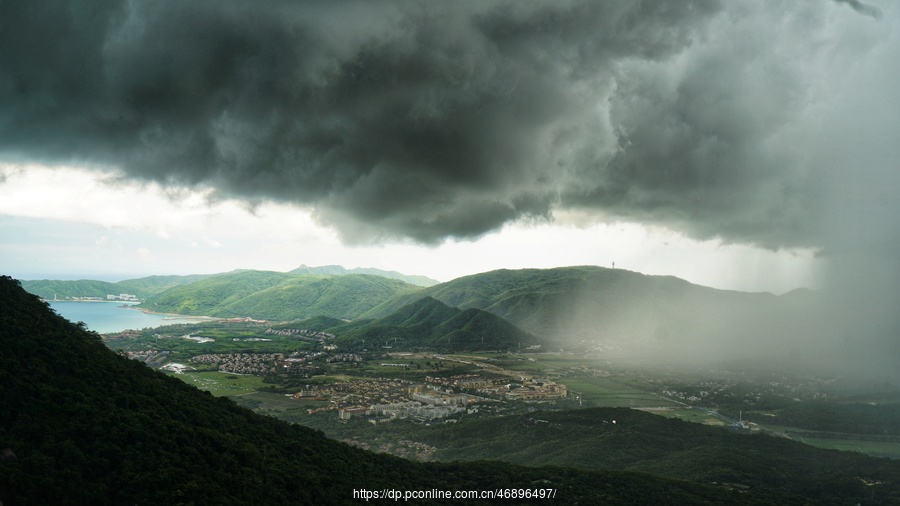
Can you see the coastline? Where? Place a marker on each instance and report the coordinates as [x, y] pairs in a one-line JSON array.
[[175, 315], [108, 318], [131, 305]]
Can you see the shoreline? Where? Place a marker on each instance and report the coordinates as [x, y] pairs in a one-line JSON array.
[[175, 315], [131, 305]]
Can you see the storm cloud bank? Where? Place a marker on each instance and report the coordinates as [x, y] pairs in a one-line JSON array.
[[429, 120]]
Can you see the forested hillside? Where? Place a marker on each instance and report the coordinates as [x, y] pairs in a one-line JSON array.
[[83, 425], [430, 324], [627, 439], [659, 316], [278, 296]]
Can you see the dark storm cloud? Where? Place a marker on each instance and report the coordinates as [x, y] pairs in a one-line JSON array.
[[398, 118], [862, 8], [429, 119]]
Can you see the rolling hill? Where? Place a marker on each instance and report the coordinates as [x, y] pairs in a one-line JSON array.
[[429, 323], [278, 296], [659, 316], [81, 424]]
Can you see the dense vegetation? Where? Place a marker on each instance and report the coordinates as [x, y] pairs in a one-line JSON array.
[[627, 439], [857, 418], [659, 317], [278, 296], [618, 438], [152, 285], [569, 301], [142, 287], [430, 324], [83, 425]]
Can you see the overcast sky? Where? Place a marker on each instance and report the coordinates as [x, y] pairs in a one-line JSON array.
[[744, 145]]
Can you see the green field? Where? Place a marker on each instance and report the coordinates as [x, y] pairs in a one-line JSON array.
[[610, 392], [222, 384]]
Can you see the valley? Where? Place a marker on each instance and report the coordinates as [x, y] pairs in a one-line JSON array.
[[584, 368], [301, 377]]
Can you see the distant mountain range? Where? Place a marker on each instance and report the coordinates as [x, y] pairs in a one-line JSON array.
[[581, 307], [337, 270], [50, 289], [278, 296], [144, 287]]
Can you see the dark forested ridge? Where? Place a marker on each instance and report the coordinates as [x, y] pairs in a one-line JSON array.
[[629, 439], [83, 425]]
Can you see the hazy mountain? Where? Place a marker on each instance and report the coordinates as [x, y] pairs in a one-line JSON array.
[[429, 323], [81, 424], [337, 270], [278, 295], [656, 315], [142, 287]]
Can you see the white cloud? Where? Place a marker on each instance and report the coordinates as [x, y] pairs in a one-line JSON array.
[[145, 229]]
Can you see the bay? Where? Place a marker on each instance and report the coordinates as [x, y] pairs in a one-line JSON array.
[[114, 316]]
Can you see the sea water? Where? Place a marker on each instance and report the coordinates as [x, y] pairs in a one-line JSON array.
[[114, 316]]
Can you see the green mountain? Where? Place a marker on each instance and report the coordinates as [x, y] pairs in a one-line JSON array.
[[81, 424], [429, 323], [651, 315], [337, 270], [627, 439], [71, 289], [278, 296]]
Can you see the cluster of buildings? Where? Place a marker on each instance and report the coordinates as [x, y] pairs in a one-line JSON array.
[[387, 399], [537, 390], [259, 364], [526, 390], [304, 334], [299, 365], [413, 410], [462, 381], [122, 296], [344, 357], [384, 400]]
